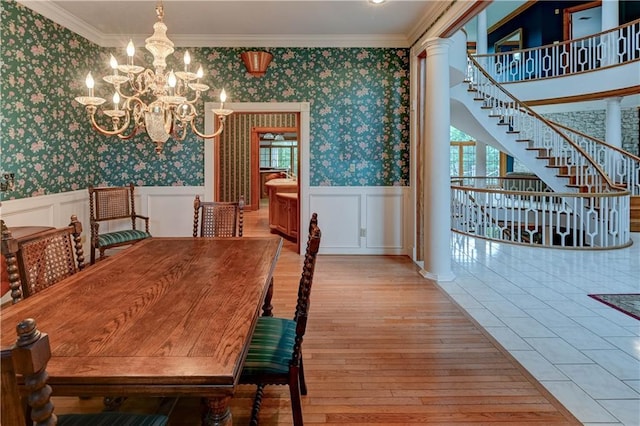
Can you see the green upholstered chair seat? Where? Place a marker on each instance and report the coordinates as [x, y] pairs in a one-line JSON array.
[[112, 419], [119, 237], [271, 347]]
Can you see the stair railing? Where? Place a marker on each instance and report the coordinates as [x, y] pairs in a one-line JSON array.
[[609, 48], [622, 167], [485, 207], [540, 134]]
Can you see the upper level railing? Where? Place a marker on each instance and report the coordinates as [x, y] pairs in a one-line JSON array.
[[518, 210], [622, 167], [537, 132], [606, 49]]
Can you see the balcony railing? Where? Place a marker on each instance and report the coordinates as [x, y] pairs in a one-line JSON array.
[[606, 49], [488, 208]]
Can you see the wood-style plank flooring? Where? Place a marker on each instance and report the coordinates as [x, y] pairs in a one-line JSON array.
[[383, 346]]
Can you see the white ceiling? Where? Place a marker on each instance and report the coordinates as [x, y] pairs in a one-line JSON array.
[[247, 23], [259, 23]]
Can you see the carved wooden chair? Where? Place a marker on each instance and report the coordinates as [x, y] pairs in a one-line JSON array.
[[114, 204], [26, 363], [218, 218], [42, 260], [275, 352]]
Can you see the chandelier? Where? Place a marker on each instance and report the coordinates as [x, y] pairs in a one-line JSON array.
[[154, 100]]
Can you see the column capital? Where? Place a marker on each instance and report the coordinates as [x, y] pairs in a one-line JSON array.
[[436, 46]]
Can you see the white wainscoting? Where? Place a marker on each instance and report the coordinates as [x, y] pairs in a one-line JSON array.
[[354, 220], [362, 220], [170, 210]]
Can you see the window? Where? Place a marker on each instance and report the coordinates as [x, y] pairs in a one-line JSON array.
[[463, 156], [279, 154]]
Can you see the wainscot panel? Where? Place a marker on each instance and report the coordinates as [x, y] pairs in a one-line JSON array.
[[361, 220]]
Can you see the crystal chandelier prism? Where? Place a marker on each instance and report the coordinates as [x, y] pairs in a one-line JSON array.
[[161, 103]]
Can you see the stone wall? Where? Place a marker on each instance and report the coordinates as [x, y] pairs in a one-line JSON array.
[[593, 124]]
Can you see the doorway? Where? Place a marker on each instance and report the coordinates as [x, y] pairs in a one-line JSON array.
[[582, 20], [274, 152], [212, 176]]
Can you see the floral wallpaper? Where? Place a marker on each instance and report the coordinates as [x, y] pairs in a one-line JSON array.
[[359, 111], [41, 138]]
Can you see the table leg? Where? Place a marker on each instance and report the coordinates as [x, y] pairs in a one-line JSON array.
[[217, 412], [267, 308]]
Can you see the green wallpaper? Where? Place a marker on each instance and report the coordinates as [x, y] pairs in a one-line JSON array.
[[359, 111], [41, 140]]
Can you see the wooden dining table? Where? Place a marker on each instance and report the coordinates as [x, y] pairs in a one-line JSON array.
[[166, 317]]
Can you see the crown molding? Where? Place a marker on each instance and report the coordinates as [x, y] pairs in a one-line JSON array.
[[60, 16], [291, 40]]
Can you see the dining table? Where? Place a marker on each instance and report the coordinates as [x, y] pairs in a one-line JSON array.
[[167, 317]]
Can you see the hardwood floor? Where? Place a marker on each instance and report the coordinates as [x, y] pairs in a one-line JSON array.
[[383, 346]]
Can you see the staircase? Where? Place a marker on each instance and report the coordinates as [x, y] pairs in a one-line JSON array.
[[595, 182], [635, 213], [586, 209]]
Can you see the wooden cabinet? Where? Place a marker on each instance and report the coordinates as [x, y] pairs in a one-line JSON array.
[[286, 221], [283, 207]]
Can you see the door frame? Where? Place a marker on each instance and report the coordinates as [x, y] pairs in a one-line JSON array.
[[211, 153], [567, 16]]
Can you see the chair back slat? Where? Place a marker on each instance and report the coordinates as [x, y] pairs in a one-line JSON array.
[[304, 288], [217, 219], [10, 254], [45, 258], [30, 356], [111, 203], [12, 409]]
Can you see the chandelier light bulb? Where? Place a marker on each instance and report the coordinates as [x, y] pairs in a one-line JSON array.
[[116, 100], [113, 62], [187, 61], [223, 96], [172, 80], [89, 81], [200, 72], [131, 50]]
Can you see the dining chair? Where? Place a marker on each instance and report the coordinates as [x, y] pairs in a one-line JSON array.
[[42, 259], [218, 218], [26, 362], [275, 351], [113, 205]]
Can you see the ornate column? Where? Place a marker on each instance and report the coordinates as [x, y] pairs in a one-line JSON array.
[[437, 189]]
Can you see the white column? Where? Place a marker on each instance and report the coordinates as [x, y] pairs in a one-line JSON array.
[[609, 13], [481, 49], [437, 189], [613, 133], [609, 18], [481, 33]]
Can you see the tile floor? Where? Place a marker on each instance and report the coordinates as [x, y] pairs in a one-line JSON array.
[[534, 303]]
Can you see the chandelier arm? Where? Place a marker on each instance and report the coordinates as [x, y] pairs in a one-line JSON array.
[[129, 136], [214, 134], [183, 135], [92, 115]]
